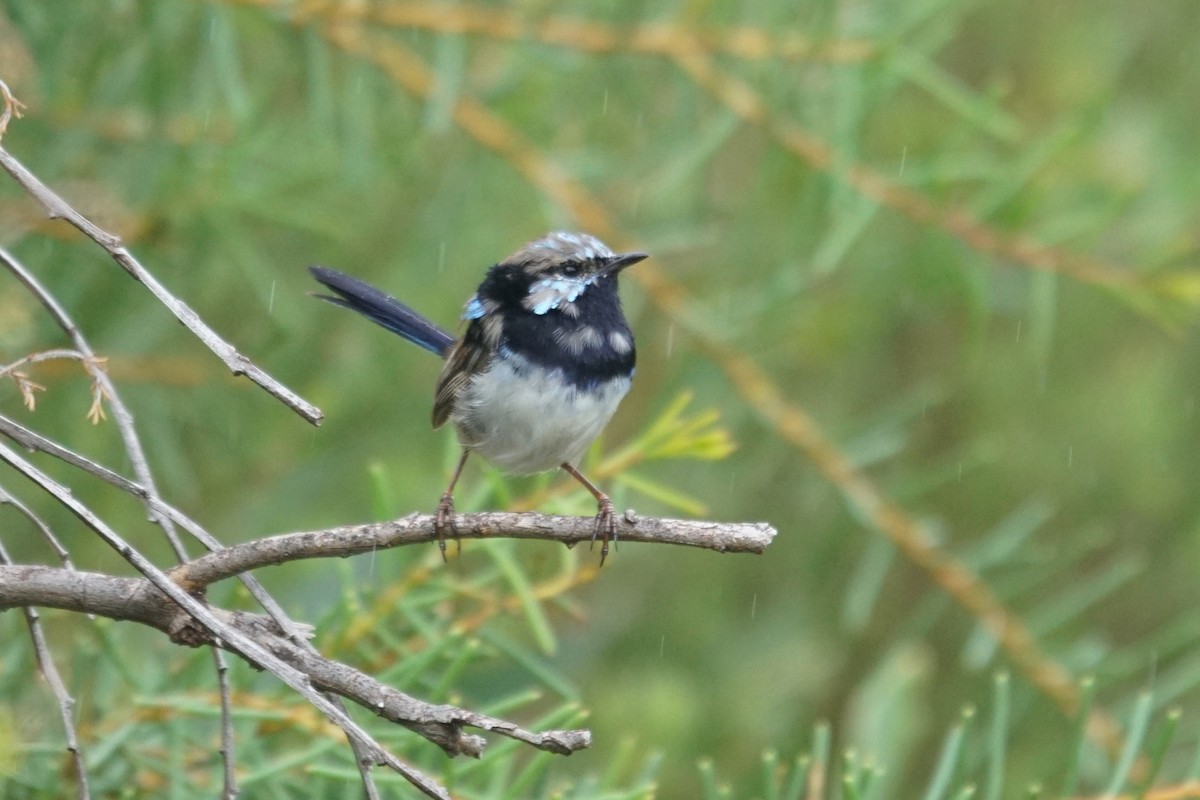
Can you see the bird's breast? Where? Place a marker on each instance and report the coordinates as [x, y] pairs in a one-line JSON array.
[[525, 417]]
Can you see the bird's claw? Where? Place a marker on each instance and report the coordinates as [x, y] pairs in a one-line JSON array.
[[444, 521], [605, 527]]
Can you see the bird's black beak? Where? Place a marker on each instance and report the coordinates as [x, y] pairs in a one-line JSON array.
[[624, 260]]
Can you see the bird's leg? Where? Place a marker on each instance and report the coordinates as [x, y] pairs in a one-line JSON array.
[[606, 525], [444, 520]]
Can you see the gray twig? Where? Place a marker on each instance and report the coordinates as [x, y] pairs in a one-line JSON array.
[[37, 358], [32, 440], [238, 364], [202, 618], [45, 530], [136, 599], [35, 441], [105, 388], [121, 413], [45, 660]]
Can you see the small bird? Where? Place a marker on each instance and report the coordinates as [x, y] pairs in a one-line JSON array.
[[545, 359]]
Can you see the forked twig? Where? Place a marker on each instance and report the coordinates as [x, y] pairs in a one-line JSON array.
[[204, 619], [137, 600], [104, 389]]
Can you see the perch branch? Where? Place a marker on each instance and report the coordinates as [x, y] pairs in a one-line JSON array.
[[438, 723], [724, 537]]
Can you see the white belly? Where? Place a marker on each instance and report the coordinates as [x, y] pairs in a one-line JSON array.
[[523, 419]]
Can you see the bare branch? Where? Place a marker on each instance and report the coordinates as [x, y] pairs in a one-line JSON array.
[[32, 440], [238, 364], [438, 723], [37, 358], [45, 660], [230, 638], [222, 563], [103, 388], [135, 599], [725, 537]]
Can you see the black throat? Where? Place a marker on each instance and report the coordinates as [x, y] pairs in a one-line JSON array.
[[552, 340]]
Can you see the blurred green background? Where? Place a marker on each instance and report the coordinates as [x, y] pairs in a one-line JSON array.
[[962, 236]]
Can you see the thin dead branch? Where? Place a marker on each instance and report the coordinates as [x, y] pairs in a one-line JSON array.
[[45, 659], [138, 600], [58, 208]]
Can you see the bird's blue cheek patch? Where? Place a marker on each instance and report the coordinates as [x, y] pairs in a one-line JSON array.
[[475, 308], [550, 293]]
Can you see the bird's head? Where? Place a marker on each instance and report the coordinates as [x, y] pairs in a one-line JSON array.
[[562, 266], [550, 274], [570, 255]]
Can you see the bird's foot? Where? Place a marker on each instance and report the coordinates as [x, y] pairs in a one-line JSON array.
[[605, 527], [444, 522]]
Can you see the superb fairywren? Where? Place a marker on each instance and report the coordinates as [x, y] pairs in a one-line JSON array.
[[545, 359]]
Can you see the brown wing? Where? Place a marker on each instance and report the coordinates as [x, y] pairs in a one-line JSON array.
[[467, 357]]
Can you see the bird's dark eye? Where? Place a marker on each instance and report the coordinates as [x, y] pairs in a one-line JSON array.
[[570, 269]]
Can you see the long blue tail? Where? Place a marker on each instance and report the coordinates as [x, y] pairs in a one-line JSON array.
[[383, 309]]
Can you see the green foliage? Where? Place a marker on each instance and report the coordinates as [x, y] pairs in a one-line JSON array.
[[960, 237], [970, 764]]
